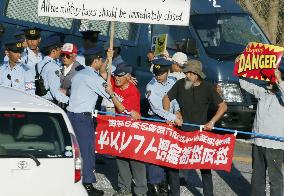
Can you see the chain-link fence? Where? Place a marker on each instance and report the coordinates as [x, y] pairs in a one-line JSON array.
[[269, 14]]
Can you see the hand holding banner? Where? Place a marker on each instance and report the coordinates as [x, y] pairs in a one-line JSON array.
[[162, 144], [259, 61]]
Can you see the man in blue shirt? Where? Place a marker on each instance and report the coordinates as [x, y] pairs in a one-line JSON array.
[[32, 55], [90, 40], [86, 86], [13, 73], [50, 70], [156, 89]]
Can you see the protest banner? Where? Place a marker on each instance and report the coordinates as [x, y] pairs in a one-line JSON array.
[[168, 12], [259, 61], [162, 144], [160, 42]]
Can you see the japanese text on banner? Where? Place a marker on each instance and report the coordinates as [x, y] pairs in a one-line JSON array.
[[163, 145]]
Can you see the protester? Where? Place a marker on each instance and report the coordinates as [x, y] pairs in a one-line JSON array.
[[194, 95], [32, 55], [267, 154], [50, 71], [127, 101], [90, 40], [107, 105], [150, 56], [13, 73], [155, 91], [179, 59], [86, 86], [69, 66]]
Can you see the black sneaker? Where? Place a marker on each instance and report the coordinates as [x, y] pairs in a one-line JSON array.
[[92, 191], [122, 193]]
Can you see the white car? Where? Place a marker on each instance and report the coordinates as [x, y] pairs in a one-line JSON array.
[[39, 155]]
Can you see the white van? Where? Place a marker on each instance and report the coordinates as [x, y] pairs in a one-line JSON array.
[[39, 155]]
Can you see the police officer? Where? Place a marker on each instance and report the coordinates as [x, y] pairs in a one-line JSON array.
[[32, 55], [86, 86], [13, 73], [50, 70], [19, 35], [155, 91], [90, 40]]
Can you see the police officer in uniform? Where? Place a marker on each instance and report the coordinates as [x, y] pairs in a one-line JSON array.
[[32, 55], [90, 40], [19, 35], [50, 70], [155, 91], [13, 73], [86, 86]]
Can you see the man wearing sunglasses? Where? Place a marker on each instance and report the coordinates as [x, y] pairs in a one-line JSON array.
[[127, 101], [69, 66]]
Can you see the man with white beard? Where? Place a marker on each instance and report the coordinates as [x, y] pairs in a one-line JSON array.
[[194, 95]]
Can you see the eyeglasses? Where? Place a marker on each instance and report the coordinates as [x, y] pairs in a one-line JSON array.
[[68, 56]]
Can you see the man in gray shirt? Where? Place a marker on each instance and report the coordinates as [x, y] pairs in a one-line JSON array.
[[267, 153]]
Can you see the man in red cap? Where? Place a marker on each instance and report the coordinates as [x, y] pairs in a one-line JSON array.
[[69, 66]]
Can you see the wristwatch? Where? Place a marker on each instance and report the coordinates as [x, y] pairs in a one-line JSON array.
[[112, 96]]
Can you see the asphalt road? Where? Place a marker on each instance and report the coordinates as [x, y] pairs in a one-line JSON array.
[[237, 182]]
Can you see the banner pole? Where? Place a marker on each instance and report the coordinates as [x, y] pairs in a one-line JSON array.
[[111, 37]]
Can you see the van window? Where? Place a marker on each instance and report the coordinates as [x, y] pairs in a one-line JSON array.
[[39, 134], [226, 34], [124, 31], [27, 11], [175, 33]]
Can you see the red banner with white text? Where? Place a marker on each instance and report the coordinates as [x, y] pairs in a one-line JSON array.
[[162, 144]]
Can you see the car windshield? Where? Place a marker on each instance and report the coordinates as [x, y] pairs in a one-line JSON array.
[[226, 35], [37, 134]]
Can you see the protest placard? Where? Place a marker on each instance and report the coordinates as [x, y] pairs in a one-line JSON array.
[[169, 12], [160, 42], [162, 144], [259, 61]]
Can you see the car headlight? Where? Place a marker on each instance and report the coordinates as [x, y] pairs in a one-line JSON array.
[[230, 92]]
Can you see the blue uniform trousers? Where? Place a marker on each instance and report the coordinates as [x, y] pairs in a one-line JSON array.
[[83, 126], [156, 174]]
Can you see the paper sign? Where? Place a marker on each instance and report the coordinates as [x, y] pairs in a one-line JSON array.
[[259, 61], [160, 44], [168, 12]]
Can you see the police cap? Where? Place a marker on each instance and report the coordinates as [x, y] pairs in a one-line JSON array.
[[95, 52], [90, 35], [51, 41], [15, 45], [161, 65], [32, 33], [122, 69], [20, 34]]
